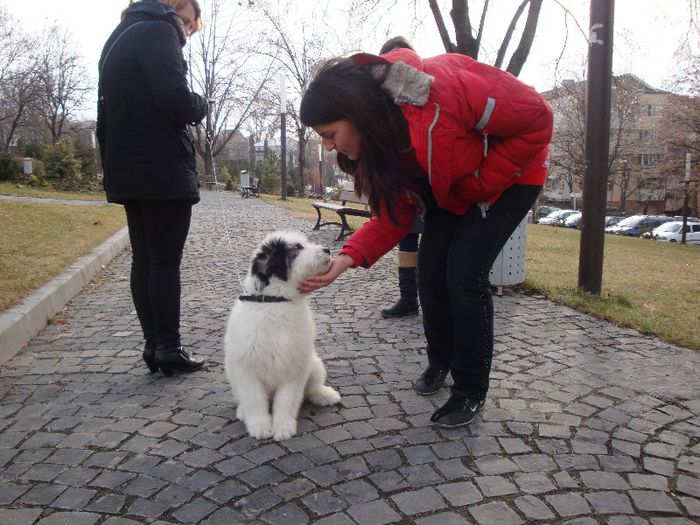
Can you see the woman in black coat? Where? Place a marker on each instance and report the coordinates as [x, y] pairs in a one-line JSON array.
[[149, 161]]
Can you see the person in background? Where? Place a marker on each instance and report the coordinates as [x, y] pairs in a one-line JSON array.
[[148, 161], [407, 256], [465, 144]]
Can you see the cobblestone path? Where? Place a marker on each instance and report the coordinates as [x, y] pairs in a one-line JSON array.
[[585, 423]]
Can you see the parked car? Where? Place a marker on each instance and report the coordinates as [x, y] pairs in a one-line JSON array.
[[543, 211], [636, 225], [612, 220], [673, 232], [556, 218], [573, 220]]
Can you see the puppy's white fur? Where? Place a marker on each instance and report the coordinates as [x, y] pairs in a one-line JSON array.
[[270, 354]]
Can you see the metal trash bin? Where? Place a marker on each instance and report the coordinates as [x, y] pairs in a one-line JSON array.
[[509, 267]]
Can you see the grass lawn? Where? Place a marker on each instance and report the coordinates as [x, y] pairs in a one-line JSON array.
[[647, 285], [22, 190], [40, 240]]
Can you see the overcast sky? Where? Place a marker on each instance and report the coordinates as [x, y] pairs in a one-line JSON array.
[[646, 32]]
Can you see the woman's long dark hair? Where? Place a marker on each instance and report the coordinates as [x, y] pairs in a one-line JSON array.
[[343, 89]]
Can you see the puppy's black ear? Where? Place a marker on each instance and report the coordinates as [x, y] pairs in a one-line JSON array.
[[258, 269], [271, 261]]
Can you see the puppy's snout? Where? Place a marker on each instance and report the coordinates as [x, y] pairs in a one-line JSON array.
[[327, 251]]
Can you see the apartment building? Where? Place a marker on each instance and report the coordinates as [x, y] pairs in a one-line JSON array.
[[645, 171]]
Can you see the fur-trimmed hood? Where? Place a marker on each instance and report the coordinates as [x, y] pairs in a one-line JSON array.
[[405, 82], [154, 10]]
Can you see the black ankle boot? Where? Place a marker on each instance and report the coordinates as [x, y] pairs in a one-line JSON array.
[[431, 381], [408, 303], [172, 359], [149, 356]]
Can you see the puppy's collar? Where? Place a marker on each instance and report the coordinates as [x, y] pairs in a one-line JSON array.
[[263, 298]]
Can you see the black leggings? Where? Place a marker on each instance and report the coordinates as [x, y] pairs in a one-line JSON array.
[[158, 230], [454, 260]]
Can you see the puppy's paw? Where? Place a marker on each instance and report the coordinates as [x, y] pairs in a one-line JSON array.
[[284, 429], [324, 396], [259, 427], [239, 413]]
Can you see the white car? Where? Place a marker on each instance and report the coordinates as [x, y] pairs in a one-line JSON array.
[[556, 217], [673, 232]]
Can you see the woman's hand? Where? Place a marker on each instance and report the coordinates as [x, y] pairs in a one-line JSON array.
[[338, 266]]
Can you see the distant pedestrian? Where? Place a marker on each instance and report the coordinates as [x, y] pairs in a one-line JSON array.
[[407, 257], [148, 161], [464, 142]]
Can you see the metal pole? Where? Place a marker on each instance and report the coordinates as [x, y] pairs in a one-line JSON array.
[[283, 138], [600, 48], [320, 171], [686, 181]]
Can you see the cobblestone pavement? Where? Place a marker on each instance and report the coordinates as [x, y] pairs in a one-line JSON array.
[[585, 422]]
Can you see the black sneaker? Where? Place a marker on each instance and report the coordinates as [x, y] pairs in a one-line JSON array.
[[431, 381], [457, 412]]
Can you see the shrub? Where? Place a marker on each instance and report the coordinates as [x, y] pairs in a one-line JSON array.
[[62, 166], [10, 167]]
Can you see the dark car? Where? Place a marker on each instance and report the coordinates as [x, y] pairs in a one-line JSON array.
[[637, 225]]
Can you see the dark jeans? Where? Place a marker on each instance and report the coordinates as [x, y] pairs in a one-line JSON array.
[[455, 257], [158, 230]]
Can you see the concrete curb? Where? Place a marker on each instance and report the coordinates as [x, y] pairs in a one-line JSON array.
[[20, 324]]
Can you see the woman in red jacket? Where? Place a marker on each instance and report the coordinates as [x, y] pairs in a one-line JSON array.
[[466, 145]]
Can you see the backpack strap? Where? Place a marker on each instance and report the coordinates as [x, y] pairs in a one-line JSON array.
[[109, 52]]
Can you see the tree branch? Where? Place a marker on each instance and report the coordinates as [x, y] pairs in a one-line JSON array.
[[523, 50], [509, 34], [442, 29]]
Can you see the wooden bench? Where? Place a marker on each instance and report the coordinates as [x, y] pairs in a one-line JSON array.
[[343, 210], [249, 191], [211, 185]]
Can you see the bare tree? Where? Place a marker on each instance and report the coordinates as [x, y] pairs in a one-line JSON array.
[[17, 77], [63, 81], [221, 70], [682, 119], [469, 31], [298, 44]]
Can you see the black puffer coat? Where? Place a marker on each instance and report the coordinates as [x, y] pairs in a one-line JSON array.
[[145, 104]]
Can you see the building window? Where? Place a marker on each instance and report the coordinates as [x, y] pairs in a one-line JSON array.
[[646, 134], [650, 159], [653, 110]]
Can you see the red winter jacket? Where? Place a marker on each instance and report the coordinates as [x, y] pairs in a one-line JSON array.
[[475, 129]]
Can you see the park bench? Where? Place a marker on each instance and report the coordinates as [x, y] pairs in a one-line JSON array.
[[211, 185], [347, 195], [250, 184], [249, 191]]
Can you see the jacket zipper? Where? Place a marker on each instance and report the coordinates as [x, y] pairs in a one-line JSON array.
[[430, 143]]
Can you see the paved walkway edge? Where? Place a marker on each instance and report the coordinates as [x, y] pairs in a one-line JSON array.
[[20, 324]]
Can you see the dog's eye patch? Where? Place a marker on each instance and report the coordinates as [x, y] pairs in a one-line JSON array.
[[273, 261]]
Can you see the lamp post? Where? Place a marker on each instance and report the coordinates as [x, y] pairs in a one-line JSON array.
[[283, 138], [320, 171], [686, 181], [93, 143], [600, 47]]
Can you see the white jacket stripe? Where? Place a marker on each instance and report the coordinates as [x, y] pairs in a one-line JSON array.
[[488, 111]]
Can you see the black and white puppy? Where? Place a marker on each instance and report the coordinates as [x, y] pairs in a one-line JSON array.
[[270, 354]]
